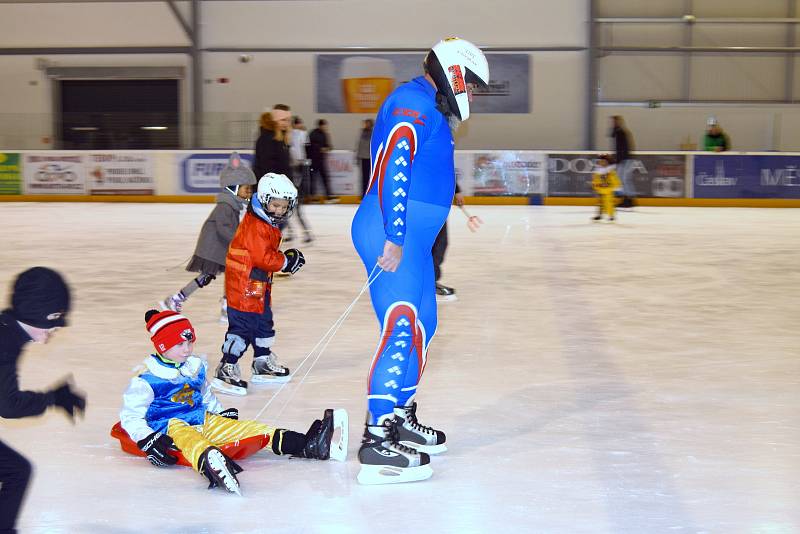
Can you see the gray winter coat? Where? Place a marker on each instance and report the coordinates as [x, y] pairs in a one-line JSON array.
[[218, 230]]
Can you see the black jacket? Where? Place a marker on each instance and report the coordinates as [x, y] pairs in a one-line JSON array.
[[317, 140], [621, 144], [13, 402], [271, 155]]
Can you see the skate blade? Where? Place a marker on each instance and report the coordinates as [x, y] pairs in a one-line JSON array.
[[269, 379], [429, 449], [223, 320], [446, 298], [341, 422], [387, 474], [228, 389]]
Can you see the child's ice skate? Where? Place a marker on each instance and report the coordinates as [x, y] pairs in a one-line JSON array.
[[267, 371], [219, 470], [412, 434], [385, 461], [319, 438], [228, 379], [173, 302]]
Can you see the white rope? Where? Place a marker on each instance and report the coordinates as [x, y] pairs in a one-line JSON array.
[[326, 338]]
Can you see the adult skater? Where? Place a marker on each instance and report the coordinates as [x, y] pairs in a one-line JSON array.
[[407, 201], [39, 306]]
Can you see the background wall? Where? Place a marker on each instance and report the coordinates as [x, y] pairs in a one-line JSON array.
[[559, 85]]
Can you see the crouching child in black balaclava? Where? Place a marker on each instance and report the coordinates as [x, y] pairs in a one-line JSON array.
[[39, 306]]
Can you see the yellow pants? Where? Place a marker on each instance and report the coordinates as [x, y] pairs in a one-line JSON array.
[[608, 204], [215, 431]]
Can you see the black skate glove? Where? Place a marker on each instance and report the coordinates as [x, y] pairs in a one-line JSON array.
[[294, 260], [156, 446], [230, 413], [68, 400]]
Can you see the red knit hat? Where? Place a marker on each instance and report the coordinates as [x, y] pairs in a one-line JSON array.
[[168, 329]]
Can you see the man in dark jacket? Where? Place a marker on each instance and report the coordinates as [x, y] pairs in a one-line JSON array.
[[272, 146], [319, 146], [39, 306], [623, 144]]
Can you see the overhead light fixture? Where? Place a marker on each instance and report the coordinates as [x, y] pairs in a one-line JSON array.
[[84, 128], [153, 127]]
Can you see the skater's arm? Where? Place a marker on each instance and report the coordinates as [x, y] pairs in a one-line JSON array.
[[15, 403], [226, 221], [210, 401], [270, 259], [135, 403], [409, 125]]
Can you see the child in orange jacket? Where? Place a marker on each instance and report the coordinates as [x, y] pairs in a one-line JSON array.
[[253, 257]]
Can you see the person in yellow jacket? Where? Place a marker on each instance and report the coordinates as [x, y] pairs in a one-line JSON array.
[[605, 181]]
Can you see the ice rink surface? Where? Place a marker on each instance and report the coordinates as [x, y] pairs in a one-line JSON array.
[[636, 377]]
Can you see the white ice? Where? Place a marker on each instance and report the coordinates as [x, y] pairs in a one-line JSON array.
[[641, 377]]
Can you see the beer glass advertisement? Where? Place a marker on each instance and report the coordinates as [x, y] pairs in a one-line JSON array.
[[359, 83], [653, 175]]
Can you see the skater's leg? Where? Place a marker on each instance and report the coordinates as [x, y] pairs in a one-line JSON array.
[[187, 438], [265, 366], [15, 473], [228, 375]]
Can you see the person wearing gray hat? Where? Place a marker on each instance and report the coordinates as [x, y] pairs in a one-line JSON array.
[[237, 181], [39, 306]]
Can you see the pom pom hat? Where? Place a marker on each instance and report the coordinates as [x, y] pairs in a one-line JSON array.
[[168, 329]]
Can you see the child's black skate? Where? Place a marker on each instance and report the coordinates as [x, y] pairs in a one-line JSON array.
[[320, 436], [266, 370], [385, 461], [228, 379], [412, 434], [219, 470]]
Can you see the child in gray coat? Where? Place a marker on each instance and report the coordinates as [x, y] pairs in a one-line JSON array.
[[237, 182]]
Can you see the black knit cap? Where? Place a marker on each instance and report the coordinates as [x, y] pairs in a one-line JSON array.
[[41, 298]]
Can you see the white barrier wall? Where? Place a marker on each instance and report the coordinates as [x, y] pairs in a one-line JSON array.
[[530, 174]]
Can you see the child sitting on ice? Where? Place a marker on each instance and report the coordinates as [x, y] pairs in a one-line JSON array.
[[170, 407]]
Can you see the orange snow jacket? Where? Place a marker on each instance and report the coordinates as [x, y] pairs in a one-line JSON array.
[[254, 247]]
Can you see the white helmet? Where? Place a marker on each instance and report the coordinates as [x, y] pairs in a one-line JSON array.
[[453, 63], [274, 186]]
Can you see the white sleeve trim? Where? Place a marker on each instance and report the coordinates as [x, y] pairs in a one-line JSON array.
[[210, 400], [135, 402]]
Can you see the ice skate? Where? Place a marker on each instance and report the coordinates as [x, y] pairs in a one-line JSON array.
[[228, 379], [308, 238], [385, 461], [220, 470], [223, 311], [173, 302], [412, 434], [266, 370], [319, 438], [444, 293]]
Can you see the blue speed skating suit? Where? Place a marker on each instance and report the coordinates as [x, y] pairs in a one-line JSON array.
[[409, 196]]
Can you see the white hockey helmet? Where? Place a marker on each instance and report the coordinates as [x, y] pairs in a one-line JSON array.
[[274, 186], [453, 63]]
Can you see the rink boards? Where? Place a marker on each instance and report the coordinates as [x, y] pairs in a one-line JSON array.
[[485, 177]]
